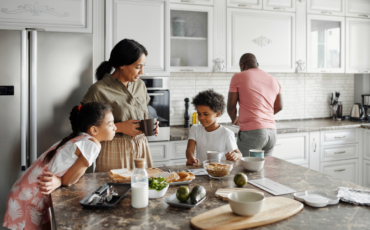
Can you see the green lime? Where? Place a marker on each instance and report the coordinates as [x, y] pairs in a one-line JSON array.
[[240, 179], [183, 194]]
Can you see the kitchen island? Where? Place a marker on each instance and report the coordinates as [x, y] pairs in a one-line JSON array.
[[69, 214]]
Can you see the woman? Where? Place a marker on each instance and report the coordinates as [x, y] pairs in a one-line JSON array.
[[128, 97]]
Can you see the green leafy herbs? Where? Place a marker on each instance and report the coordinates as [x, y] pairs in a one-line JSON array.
[[157, 183]]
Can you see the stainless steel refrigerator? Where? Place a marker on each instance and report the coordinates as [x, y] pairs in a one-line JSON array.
[[42, 76]]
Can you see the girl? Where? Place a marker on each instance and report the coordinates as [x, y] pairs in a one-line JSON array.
[[65, 162]]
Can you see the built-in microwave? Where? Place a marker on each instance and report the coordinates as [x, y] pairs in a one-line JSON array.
[[159, 106]]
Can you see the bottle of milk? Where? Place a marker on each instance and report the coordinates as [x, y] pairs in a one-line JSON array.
[[139, 185]]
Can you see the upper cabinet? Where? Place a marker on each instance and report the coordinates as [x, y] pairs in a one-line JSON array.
[[252, 4], [283, 5], [268, 35], [52, 15], [191, 38], [357, 45], [196, 2], [328, 7], [358, 8], [325, 44], [123, 20]]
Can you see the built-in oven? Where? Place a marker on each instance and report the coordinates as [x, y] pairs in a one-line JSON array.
[[159, 105]]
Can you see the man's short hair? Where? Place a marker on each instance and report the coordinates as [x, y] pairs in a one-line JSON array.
[[248, 59]]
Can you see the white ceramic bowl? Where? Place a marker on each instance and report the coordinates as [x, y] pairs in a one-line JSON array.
[[245, 203], [252, 163], [157, 194]]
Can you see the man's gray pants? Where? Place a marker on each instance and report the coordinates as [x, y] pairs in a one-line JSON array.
[[257, 139]]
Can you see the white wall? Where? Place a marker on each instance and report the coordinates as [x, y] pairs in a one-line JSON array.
[[304, 95]]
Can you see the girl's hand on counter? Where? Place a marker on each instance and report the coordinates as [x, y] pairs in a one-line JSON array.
[[49, 182], [156, 128], [233, 155], [128, 127], [192, 161]]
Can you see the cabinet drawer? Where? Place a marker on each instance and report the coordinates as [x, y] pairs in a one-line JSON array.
[[366, 145], [345, 170], [179, 149], [366, 174], [341, 152], [159, 151], [292, 148], [339, 137], [162, 163]]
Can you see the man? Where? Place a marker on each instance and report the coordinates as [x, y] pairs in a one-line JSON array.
[[259, 97]]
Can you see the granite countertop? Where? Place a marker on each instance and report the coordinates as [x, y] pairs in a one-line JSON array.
[[180, 133], [158, 215]]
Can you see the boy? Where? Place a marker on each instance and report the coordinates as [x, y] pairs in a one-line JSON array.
[[210, 135]]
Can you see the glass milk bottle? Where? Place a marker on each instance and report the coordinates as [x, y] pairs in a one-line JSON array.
[[139, 185]]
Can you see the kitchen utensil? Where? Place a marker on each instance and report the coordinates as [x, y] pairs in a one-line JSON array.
[[173, 201], [316, 198], [257, 153], [339, 111], [98, 193], [153, 194], [357, 111], [218, 170], [224, 192], [275, 209], [252, 163], [271, 186], [245, 203]]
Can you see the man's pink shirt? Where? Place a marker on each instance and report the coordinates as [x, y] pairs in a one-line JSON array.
[[257, 94]]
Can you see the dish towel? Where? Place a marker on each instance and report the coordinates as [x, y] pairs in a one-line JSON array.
[[354, 196]]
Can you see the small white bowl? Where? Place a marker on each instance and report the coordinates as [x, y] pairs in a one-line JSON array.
[[245, 203], [252, 163], [157, 194]]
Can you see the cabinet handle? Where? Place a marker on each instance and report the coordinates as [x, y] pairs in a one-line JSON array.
[[325, 12], [339, 170], [187, 1], [242, 5], [363, 15], [340, 137], [365, 71], [155, 94], [189, 70], [278, 8], [314, 140], [339, 152]]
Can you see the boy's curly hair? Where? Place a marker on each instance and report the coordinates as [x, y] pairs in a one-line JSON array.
[[210, 98]]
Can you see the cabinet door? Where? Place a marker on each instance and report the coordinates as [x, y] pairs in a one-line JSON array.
[[292, 148], [325, 44], [366, 146], [53, 15], [315, 151], [358, 8], [339, 136], [252, 4], [345, 170], [366, 174], [179, 149], [357, 45], [279, 5], [162, 163], [263, 33], [341, 152], [329, 7], [151, 29], [191, 38], [178, 162], [160, 151], [195, 2]]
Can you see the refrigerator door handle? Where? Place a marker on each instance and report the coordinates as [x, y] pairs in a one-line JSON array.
[[33, 95], [24, 99]]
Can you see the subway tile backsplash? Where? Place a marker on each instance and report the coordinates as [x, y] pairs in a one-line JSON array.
[[305, 95]]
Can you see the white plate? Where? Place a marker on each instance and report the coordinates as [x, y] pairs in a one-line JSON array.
[[181, 182], [315, 197]]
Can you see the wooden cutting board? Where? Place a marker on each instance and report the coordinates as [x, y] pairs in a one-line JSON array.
[[274, 209], [222, 193]]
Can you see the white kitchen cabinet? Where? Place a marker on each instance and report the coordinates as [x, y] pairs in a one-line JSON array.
[[160, 151], [344, 170], [292, 147], [325, 44], [178, 162], [251, 4], [366, 144], [191, 38], [268, 35], [343, 136], [279, 5], [162, 163], [357, 45], [195, 2], [329, 7], [178, 149], [339, 152], [358, 8], [152, 31], [366, 173], [314, 148], [52, 15]]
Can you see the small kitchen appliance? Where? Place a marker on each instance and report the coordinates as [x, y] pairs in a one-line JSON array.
[[357, 112]]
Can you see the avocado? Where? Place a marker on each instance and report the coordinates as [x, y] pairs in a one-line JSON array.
[[197, 194]]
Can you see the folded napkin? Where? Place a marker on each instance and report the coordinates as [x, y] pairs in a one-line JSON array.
[[354, 196]]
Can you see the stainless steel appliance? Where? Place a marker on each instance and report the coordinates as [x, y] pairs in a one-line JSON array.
[[159, 105], [357, 112], [42, 76]]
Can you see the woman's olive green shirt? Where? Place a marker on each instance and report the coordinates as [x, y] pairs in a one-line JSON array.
[[128, 103]]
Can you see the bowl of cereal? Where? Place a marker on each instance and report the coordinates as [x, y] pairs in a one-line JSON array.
[[218, 169]]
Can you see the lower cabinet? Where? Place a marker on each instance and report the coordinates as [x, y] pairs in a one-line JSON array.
[[344, 170], [366, 175], [292, 147], [162, 163], [160, 151], [178, 162], [168, 153]]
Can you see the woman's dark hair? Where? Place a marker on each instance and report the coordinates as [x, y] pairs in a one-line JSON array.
[[125, 52], [210, 98], [90, 114]]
